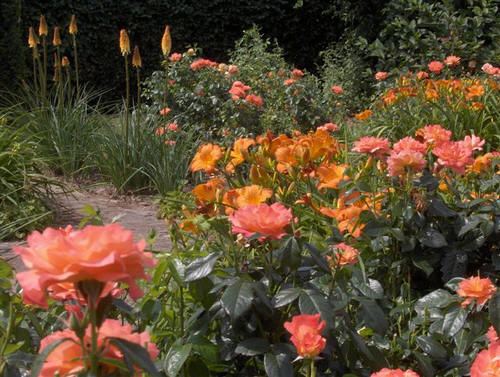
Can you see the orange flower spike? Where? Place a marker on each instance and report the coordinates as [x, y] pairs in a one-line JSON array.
[[477, 289], [73, 28], [43, 28], [166, 42], [65, 61], [206, 158], [136, 58], [32, 41], [124, 42], [56, 41], [306, 332]]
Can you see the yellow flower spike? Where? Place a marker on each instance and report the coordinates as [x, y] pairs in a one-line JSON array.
[[42, 28], [65, 61], [73, 28], [136, 58], [56, 41], [166, 42], [124, 42], [32, 42]]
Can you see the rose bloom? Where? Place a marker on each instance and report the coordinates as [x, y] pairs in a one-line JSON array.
[[435, 67], [329, 127], [454, 155], [103, 253], [66, 359], [381, 76], [492, 335], [297, 74], [172, 127], [475, 143], [343, 255], [399, 163], [375, 146], [202, 63], [253, 99], [433, 134], [165, 111], [289, 82], [410, 144], [364, 115], [452, 61], [268, 220], [160, 130], [232, 69], [244, 196], [191, 51], [394, 373], [337, 89], [490, 70], [421, 75], [477, 289], [238, 90], [175, 57], [487, 362], [206, 158], [306, 334]]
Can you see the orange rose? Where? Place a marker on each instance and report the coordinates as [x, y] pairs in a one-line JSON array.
[[306, 334], [477, 289], [67, 358], [344, 254], [267, 220], [103, 253], [206, 158]]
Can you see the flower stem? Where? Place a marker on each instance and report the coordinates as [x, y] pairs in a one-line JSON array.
[[312, 372], [127, 103], [76, 65], [94, 361]]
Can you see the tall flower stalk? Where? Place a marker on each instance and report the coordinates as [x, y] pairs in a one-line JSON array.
[[137, 64], [33, 44], [43, 31], [166, 46], [73, 30], [56, 42], [125, 50]]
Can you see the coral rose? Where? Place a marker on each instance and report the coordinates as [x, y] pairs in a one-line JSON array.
[[433, 134], [454, 155], [266, 220], [67, 358], [175, 57], [328, 127], [452, 61], [344, 254], [165, 111], [421, 75], [492, 335], [238, 90], [381, 76], [487, 362], [102, 253], [289, 82], [473, 142], [337, 89], [253, 99], [399, 163], [374, 146], [394, 373], [172, 127], [306, 334], [202, 63], [490, 70], [410, 144], [297, 74], [435, 67], [477, 289], [206, 158]]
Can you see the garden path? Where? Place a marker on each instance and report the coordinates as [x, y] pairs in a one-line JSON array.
[[138, 214]]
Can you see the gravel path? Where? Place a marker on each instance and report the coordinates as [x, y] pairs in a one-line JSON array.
[[138, 215]]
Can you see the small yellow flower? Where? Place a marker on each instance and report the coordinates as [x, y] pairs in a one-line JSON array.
[[57, 39], [124, 42], [65, 61], [166, 42], [73, 29], [42, 28], [32, 41], [136, 58]]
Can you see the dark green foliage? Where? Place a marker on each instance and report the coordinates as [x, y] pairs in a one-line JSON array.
[[11, 46]]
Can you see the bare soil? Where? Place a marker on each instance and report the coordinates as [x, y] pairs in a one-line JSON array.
[[138, 215]]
